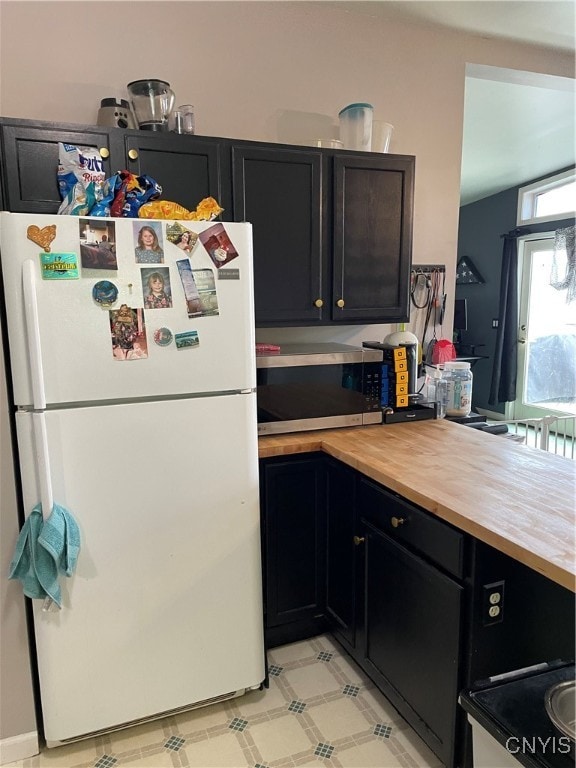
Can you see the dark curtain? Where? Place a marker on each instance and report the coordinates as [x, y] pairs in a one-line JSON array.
[[504, 370]]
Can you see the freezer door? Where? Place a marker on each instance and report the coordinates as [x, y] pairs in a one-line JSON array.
[[75, 343], [165, 607]]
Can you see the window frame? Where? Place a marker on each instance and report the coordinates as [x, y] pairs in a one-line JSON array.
[[527, 197]]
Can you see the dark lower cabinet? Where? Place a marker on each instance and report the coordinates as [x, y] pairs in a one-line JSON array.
[[410, 571], [404, 593], [411, 638], [293, 530]]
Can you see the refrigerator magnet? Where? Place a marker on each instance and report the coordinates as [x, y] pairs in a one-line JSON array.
[[156, 287], [190, 288], [163, 336], [182, 238], [187, 340], [128, 332], [204, 280], [98, 244], [59, 266], [228, 274], [105, 293], [148, 244], [42, 237], [218, 244]]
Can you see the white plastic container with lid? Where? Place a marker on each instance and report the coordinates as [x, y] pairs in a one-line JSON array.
[[459, 388], [356, 126]]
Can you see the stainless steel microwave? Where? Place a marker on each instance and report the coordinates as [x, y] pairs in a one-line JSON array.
[[317, 386]]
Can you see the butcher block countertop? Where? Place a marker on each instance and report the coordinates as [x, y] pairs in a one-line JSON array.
[[519, 500]]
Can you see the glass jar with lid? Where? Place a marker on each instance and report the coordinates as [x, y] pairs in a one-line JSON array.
[[458, 378]]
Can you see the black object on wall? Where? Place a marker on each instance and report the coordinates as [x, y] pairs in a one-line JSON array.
[[461, 314], [467, 274]]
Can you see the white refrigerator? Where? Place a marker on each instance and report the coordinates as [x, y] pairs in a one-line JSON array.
[[132, 356]]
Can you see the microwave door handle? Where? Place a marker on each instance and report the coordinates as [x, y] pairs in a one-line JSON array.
[[33, 331]]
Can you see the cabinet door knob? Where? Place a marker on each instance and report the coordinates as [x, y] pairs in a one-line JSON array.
[[133, 154], [104, 152], [358, 540], [396, 521], [340, 303], [318, 303]]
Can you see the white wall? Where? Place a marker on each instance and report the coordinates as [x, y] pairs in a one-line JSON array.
[[266, 71]]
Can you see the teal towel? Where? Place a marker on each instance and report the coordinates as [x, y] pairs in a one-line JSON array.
[[61, 538], [43, 550]]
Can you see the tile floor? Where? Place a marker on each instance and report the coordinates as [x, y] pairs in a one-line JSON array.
[[320, 710]]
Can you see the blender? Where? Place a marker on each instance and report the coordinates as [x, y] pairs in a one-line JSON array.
[[152, 102]]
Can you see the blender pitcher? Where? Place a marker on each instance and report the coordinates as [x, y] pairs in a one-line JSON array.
[[152, 102]]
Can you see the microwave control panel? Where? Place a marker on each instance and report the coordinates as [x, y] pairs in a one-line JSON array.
[[372, 386]]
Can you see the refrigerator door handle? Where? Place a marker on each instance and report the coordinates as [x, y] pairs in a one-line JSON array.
[[43, 466], [43, 463], [33, 329]]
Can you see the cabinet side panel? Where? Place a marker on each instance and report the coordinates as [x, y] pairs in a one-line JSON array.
[[341, 551], [294, 496]]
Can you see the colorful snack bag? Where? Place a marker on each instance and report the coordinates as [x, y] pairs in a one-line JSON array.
[[124, 193], [80, 178]]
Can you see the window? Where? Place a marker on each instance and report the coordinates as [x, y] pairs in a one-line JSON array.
[[548, 200]]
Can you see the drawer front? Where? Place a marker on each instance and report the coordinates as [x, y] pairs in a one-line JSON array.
[[413, 527]]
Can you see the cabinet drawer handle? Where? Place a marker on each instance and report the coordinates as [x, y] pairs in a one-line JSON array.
[[396, 521], [133, 154], [358, 540], [318, 303], [104, 152], [340, 303]]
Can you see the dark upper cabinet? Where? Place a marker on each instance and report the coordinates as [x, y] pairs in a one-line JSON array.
[[188, 168], [30, 162], [332, 229], [280, 192], [332, 233], [372, 237]]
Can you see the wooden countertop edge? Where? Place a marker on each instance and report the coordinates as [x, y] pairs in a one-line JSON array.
[[308, 443]]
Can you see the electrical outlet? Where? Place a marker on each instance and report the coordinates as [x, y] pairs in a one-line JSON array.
[[493, 603], [495, 323]]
